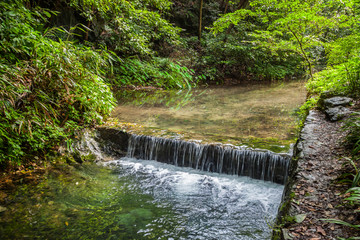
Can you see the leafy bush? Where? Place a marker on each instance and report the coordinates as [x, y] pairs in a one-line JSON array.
[[342, 75], [160, 72], [343, 78], [353, 136], [129, 27], [49, 89], [235, 56]]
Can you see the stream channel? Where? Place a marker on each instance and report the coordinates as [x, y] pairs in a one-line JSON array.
[[130, 198]]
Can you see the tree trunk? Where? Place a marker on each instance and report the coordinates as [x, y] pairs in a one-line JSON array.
[[87, 31], [242, 4], [226, 6], [303, 53], [200, 18]]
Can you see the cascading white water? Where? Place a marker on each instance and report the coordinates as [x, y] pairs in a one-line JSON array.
[[202, 205], [264, 165]]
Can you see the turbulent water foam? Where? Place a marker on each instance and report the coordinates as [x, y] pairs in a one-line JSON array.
[[206, 205], [264, 165]]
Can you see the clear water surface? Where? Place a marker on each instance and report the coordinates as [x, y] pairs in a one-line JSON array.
[[261, 116], [137, 199]]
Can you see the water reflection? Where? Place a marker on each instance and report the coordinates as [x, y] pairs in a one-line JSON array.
[[156, 98], [249, 114]]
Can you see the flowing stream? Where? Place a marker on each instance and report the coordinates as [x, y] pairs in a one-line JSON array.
[[204, 205], [142, 199], [170, 188]]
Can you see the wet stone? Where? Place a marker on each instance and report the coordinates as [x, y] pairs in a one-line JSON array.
[[112, 141]]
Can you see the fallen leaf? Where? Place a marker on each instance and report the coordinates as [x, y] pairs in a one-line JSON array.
[[328, 213], [286, 234], [311, 209], [321, 230], [299, 218]]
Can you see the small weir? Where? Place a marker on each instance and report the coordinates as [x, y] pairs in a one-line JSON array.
[[263, 165], [161, 188]]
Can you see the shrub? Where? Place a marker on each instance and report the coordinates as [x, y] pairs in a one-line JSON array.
[[49, 89], [159, 72]]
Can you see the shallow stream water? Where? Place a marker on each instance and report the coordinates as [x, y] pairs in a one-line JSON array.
[[137, 199], [142, 199], [205, 205], [261, 116]]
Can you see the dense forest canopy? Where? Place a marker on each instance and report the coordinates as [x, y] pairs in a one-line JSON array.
[[59, 60]]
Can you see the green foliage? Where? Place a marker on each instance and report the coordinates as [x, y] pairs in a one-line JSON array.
[[129, 27], [159, 72], [292, 26], [354, 177], [355, 199], [235, 56], [135, 30], [342, 223], [342, 75], [343, 78], [352, 125], [305, 108], [49, 89]]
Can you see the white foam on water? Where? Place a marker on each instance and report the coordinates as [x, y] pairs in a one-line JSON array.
[[208, 205]]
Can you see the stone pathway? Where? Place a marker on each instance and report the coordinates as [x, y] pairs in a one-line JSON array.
[[316, 193]]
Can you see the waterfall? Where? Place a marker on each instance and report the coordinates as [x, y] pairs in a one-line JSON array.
[[263, 165]]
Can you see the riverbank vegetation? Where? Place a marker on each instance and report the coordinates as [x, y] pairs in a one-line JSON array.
[[60, 59]]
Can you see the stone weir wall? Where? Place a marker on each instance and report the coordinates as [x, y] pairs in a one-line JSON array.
[[263, 165]]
